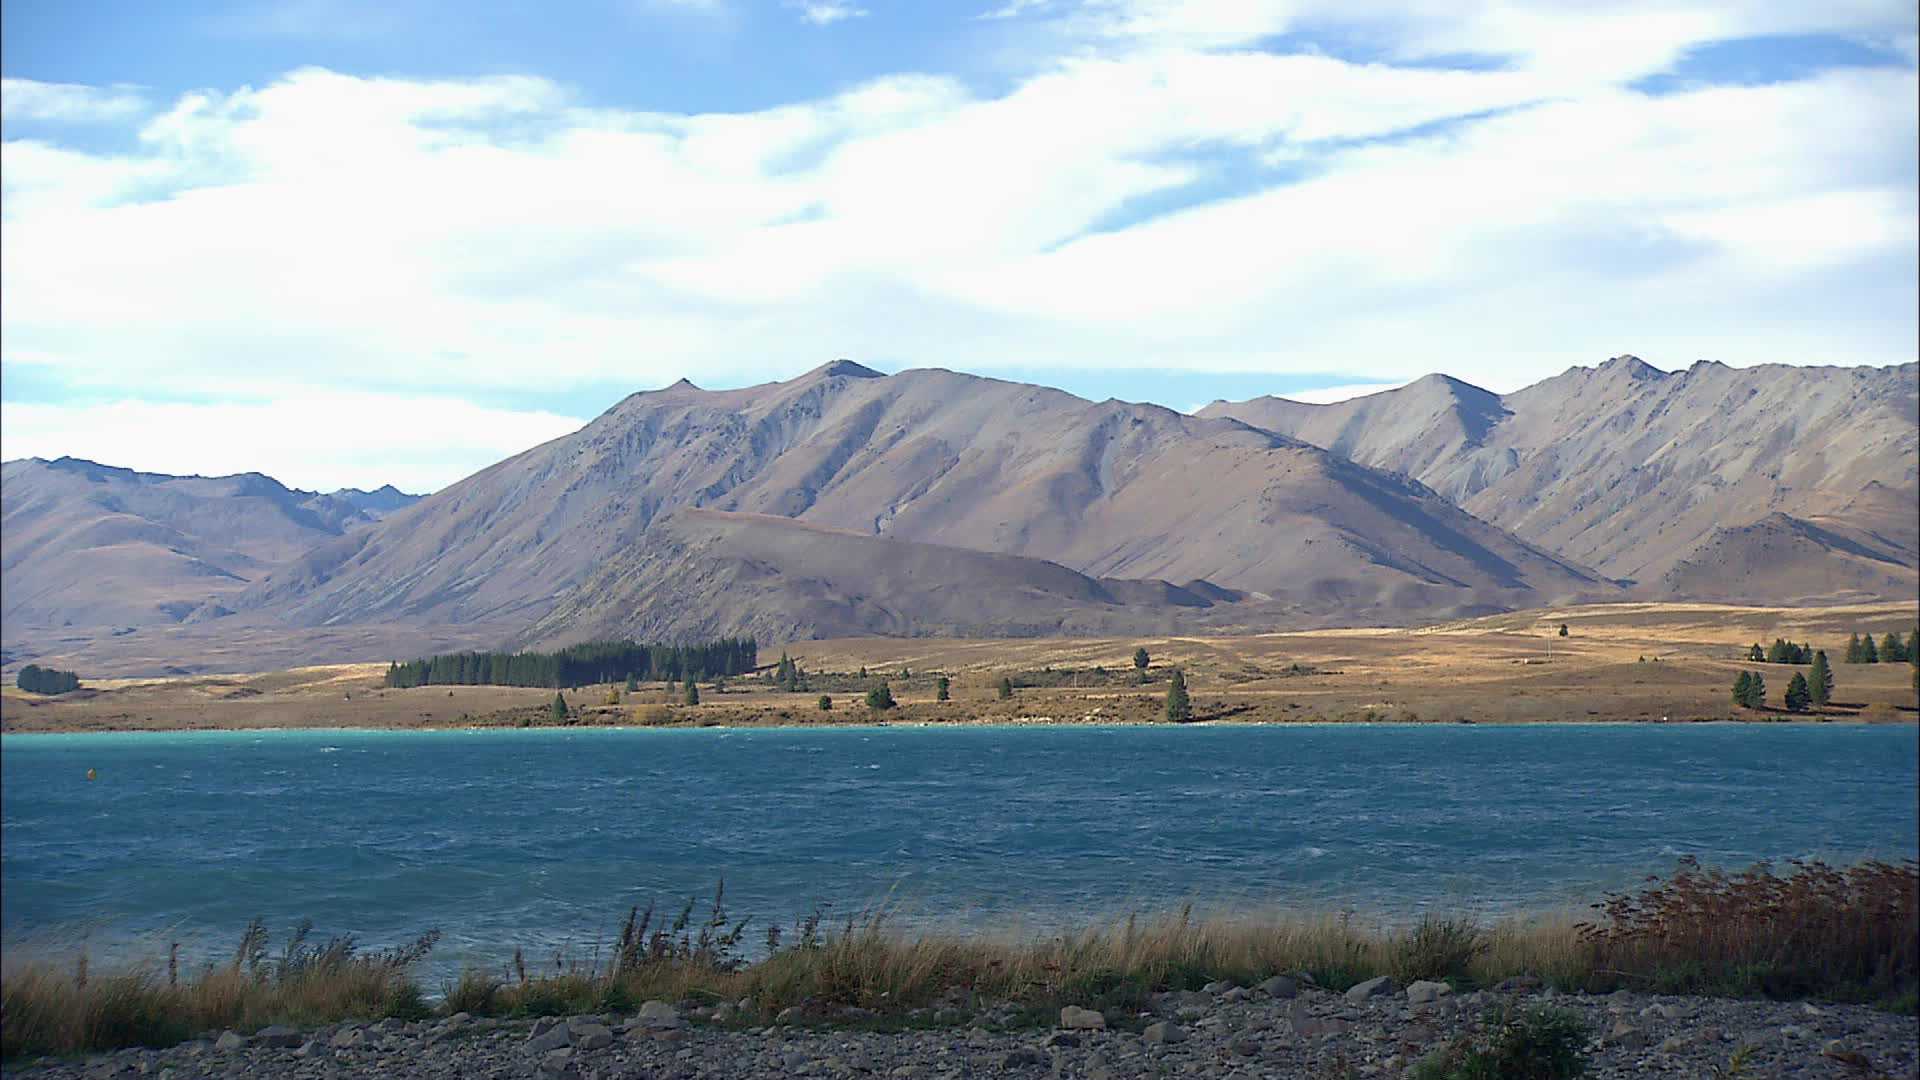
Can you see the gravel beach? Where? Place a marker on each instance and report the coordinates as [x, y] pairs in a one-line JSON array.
[[1281, 1028]]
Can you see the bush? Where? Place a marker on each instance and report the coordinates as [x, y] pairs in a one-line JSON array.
[[826, 703], [476, 992], [1438, 948], [1006, 688], [1851, 934], [942, 689], [880, 697], [1539, 1044]]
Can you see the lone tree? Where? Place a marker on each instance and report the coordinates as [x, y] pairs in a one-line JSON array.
[[1820, 679], [558, 708], [826, 703], [693, 692], [940, 690], [1742, 687], [880, 697], [1179, 709], [1759, 655], [1756, 691], [1798, 696], [1141, 659], [1563, 629], [1006, 688]]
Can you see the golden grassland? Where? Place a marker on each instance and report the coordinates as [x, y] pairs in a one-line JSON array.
[[1618, 662], [1812, 931]]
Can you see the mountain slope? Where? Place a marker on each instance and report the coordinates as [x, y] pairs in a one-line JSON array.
[[708, 573], [1635, 471], [1107, 489]]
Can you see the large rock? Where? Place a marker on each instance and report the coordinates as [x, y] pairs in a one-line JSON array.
[[279, 1036], [590, 1036], [1164, 1032], [1378, 986], [1279, 986], [1423, 992], [349, 1037], [1075, 1018], [554, 1038], [658, 1014], [230, 1041]]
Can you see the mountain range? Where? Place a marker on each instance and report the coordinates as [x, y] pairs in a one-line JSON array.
[[847, 502]]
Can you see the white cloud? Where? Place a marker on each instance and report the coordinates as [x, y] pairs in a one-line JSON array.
[[1328, 395], [320, 440], [406, 238], [827, 12], [26, 99]]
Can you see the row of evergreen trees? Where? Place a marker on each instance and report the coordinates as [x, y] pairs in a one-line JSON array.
[[580, 665], [1891, 650], [35, 679], [1804, 691]]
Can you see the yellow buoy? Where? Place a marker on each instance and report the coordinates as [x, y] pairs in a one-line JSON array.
[[91, 774]]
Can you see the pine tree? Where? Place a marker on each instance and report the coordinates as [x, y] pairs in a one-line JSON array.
[[826, 703], [1779, 652], [693, 692], [1742, 686], [880, 697], [1757, 654], [940, 691], [1798, 696], [633, 684], [1820, 680], [1179, 710], [559, 708], [1141, 659], [1563, 629], [1853, 648], [1757, 691], [1868, 653], [1006, 688], [1891, 650]]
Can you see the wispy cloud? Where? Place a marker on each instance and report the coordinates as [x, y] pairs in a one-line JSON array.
[[411, 235], [827, 12], [26, 99]]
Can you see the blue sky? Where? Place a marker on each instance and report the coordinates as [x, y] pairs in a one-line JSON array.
[[352, 243]]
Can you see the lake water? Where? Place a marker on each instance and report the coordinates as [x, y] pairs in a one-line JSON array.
[[541, 838]]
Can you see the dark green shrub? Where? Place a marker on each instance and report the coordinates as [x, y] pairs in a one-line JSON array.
[[880, 697], [1539, 1044]]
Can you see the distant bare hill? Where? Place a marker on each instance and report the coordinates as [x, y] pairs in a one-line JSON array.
[[1645, 473], [1106, 490], [83, 544]]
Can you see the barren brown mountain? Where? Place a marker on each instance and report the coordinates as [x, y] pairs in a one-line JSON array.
[[844, 502], [1771, 484], [1107, 489], [88, 545]]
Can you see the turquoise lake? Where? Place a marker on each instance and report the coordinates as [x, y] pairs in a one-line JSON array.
[[541, 838]]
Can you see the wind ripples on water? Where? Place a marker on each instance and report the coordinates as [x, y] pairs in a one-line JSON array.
[[541, 838]]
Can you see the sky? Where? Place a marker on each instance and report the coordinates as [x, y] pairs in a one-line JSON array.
[[349, 244]]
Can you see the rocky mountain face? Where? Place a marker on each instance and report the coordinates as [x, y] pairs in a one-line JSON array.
[[1106, 490], [931, 502], [89, 545], [1771, 484]]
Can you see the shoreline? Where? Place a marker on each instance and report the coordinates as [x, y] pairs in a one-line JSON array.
[[1909, 720]]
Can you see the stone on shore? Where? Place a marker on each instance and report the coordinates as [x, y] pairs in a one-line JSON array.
[[1279, 986], [1378, 986], [658, 1014], [1164, 1032], [1075, 1018], [1424, 992], [230, 1041]]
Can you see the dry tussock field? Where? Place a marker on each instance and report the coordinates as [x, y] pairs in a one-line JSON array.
[[1618, 662]]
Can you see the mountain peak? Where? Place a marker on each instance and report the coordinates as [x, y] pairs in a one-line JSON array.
[[1635, 367], [847, 368]]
